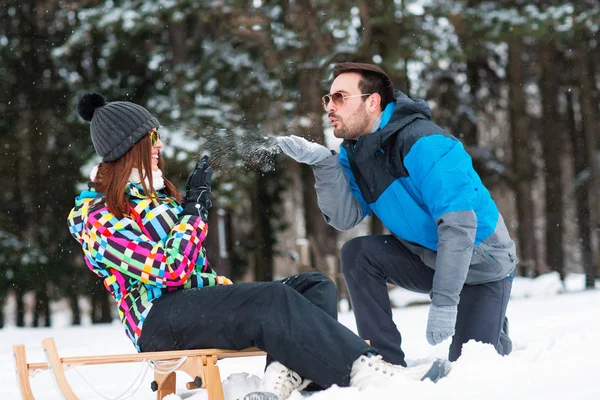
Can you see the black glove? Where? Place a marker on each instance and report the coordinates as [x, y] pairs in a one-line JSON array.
[[197, 191]]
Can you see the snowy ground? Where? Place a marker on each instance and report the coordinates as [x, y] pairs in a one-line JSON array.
[[556, 354]]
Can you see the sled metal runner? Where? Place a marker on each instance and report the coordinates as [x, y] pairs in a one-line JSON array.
[[200, 365]]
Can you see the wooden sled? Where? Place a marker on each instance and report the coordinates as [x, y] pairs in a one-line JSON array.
[[200, 365]]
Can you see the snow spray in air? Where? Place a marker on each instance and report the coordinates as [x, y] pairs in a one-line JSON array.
[[240, 149]]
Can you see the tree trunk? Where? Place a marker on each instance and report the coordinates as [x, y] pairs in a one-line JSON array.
[[101, 307], [523, 166], [105, 308], [475, 62], [381, 26], [41, 309], [73, 305], [588, 119], [178, 39], [46, 310], [20, 308], [28, 162], [4, 287], [263, 231], [553, 149], [581, 192]]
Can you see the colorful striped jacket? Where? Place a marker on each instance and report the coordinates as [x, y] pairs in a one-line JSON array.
[[143, 255]]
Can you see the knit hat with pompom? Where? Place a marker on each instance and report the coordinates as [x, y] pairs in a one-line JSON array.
[[115, 126]]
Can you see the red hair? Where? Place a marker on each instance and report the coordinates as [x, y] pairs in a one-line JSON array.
[[112, 177]]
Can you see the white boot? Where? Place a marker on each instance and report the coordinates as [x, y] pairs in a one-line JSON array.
[[372, 371], [278, 383]]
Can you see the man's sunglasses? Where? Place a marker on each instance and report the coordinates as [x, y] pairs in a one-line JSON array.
[[154, 137], [339, 99]]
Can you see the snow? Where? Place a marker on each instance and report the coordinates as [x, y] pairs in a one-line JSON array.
[[554, 331]]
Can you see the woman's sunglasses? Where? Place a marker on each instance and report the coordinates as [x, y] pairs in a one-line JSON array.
[[154, 137], [338, 99]]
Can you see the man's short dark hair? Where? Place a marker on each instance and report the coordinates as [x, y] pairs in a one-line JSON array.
[[373, 79]]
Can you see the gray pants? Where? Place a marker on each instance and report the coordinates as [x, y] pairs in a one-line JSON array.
[[369, 262]]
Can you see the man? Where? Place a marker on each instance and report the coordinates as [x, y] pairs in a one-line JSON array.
[[447, 237]]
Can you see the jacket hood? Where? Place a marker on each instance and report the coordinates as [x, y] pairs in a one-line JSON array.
[[407, 110], [86, 197]]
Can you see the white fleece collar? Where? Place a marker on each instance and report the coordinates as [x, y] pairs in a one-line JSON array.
[[157, 179]]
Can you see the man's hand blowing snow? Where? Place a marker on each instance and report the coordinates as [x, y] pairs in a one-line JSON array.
[[302, 150]]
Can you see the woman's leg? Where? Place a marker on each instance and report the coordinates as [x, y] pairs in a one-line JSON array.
[[317, 288], [269, 315]]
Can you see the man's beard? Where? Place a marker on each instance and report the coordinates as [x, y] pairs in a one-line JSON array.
[[357, 127], [342, 132]]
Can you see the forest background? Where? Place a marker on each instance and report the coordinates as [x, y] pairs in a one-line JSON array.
[[518, 82]]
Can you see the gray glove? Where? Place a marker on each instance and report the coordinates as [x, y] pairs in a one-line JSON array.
[[302, 150], [440, 324]]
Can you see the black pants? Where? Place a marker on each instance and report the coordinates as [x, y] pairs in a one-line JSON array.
[[369, 262], [293, 320]]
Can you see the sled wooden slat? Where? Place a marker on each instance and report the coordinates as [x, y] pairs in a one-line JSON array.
[[22, 370], [200, 365], [154, 356], [58, 369]]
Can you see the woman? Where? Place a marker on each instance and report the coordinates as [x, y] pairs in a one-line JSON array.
[[146, 243]]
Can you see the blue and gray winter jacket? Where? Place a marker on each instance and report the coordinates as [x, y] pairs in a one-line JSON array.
[[420, 182]]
